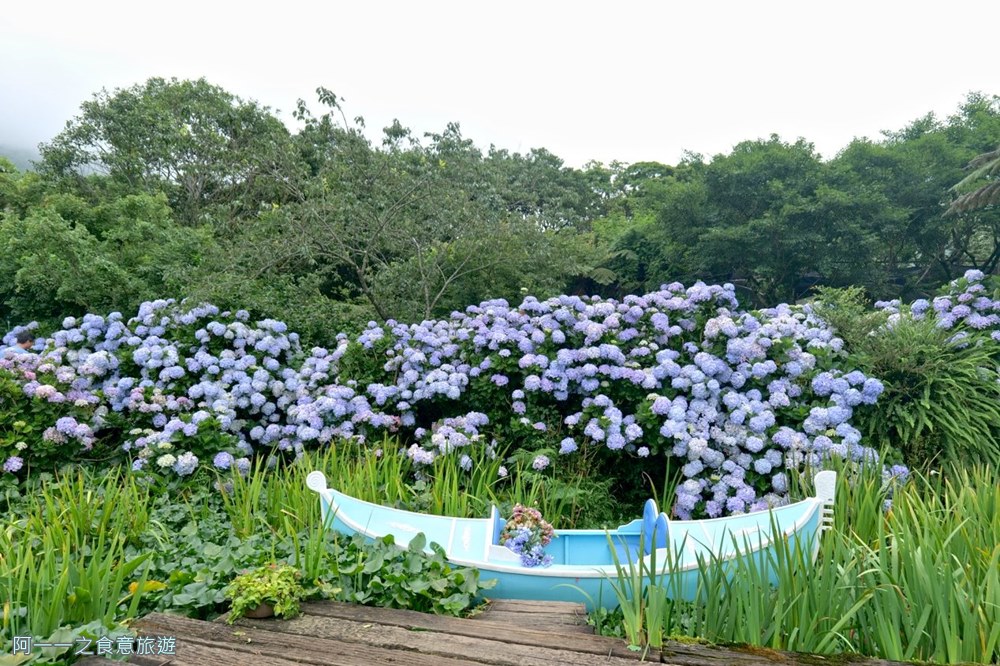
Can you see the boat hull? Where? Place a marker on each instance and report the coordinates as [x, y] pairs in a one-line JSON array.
[[674, 572], [587, 563]]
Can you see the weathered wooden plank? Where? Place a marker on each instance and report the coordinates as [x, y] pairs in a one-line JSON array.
[[244, 644], [413, 620], [539, 622], [358, 636], [198, 653], [496, 650], [676, 653], [137, 660], [548, 616], [530, 619], [519, 606], [564, 629]]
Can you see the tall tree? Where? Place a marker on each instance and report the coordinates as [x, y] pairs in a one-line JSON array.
[[215, 155], [67, 256], [985, 176], [405, 225]]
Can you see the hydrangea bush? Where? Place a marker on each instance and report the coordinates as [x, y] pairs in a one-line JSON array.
[[737, 396], [172, 386], [940, 359], [969, 303], [42, 412]]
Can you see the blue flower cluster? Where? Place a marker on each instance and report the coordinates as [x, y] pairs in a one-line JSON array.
[[681, 372], [525, 543], [965, 303], [449, 435], [166, 376], [67, 428]]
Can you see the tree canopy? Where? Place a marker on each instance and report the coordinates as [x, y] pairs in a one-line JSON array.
[[174, 188]]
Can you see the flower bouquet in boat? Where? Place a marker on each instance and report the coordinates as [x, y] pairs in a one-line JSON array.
[[531, 561], [527, 534]]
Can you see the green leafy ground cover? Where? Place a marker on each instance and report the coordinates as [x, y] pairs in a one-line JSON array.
[[919, 581], [81, 553]]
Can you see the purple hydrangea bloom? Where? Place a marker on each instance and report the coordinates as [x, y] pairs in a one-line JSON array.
[[13, 464], [186, 464]]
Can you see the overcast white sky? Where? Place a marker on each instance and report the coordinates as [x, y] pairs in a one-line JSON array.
[[587, 80]]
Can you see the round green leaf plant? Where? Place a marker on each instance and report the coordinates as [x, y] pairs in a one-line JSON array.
[[274, 584]]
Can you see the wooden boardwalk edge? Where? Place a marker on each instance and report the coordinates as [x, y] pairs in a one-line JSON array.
[[476, 628], [316, 636], [505, 634]]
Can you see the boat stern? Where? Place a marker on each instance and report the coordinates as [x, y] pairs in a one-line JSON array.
[[825, 483]]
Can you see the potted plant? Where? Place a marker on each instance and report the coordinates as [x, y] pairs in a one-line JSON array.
[[270, 590], [527, 533]]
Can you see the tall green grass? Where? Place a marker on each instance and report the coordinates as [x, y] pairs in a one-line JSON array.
[[269, 498], [279, 500], [446, 489], [861, 494], [64, 561], [563, 502], [921, 582]]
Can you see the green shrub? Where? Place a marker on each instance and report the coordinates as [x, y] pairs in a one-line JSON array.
[[380, 573], [942, 398], [848, 311]]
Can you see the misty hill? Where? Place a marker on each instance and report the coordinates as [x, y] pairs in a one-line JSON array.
[[22, 157]]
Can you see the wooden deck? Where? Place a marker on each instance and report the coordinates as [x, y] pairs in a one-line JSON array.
[[507, 633], [553, 617]]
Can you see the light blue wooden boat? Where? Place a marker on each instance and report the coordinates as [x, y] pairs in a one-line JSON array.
[[584, 560]]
